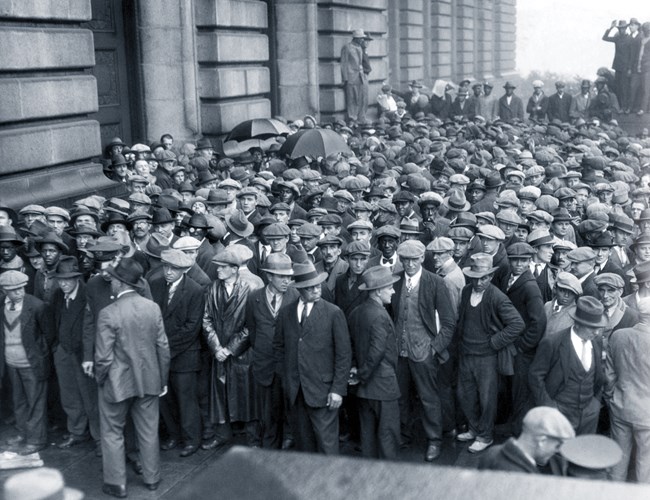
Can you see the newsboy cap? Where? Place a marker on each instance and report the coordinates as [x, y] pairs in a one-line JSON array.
[[12, 280], [491, 232], [611, 280], [520, 250], [569, 282], [176, 258], [441, 245], [581, 254], [411, 249]]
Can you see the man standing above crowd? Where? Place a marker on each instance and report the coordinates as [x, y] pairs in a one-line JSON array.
[[559, 104], [510, 107], [354, 78]]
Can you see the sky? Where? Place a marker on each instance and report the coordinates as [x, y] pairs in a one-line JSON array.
[[564, 36]]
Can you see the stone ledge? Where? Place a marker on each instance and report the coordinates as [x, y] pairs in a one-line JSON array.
[[368, 4], [232, 47], [330, 72], [336, 19], [234, 82], [30, 98], [219, 118], [66, 10], [31, 148], [329, 46], [246, 13], [33, 48], [58, 185]]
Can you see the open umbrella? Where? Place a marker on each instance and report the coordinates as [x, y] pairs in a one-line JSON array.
[[315, 142], [258, 128]]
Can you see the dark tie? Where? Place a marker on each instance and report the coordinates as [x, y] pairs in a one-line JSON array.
[[67, 301], [265, 254], [274, 303], [303, 316], [537, 270], [12, 306], [386, 261]]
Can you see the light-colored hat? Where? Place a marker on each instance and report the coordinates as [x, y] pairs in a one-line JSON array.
[[176, 258], [377, 277], [411, 249], [592, 451], [569, 282], [32, 209], [39, 484], [538, 84], [547, 421], [186, 243], [491, 232], [581, 254], [441, 245], [61, 212], [481, 265], [228, 256], [278, 263], [12, 280], [305, 275], [611, 280]]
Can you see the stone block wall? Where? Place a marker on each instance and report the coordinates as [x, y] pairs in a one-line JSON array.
[[47, 142], [232, 52]]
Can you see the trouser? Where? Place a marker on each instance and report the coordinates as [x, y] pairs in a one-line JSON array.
[[204, 387], [636, 91], [179, 408], [78, 395], [272, 416], [522, 399], [356, 98], [30, 404], [477, 393], [633, 439], [452, 415], [112, 418], [314, 429], [584, 420], [380, 428], [622, 81], [423, 375], [645, 99]]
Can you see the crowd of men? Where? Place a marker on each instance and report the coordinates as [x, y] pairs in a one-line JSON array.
[[442, 277]]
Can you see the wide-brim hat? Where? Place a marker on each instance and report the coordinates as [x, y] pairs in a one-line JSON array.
[[39, 483], [128, 271], [67, 268], [8, 235], [471, 272], [481, 265], [52, 238], [305, 275], [278, 263], [239, 224], [589, 312], [377, 277]]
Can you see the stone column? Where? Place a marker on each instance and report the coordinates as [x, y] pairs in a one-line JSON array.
[[442, 55], [296, 33]]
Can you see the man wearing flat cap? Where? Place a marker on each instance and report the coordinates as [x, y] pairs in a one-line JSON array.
[[374, 350], [487, 324], [544, 430], [181, 301], [354, 77], [131, 369], [583, 262], [262, 309], [424, 324], [560, 309], [332, 263], [567, 371], [617, 313], [559, 104], [232, 387], [313, 355], [26, 335], [347, 294]]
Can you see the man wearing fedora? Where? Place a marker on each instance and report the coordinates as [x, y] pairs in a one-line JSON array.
[[78, 392], [374, 372], [26, 335], [131, 369], [424, 323], [10, 243], [354, 77], [642, 280], [181, 301], [567, 371], [198, 228], [488, 322], [509, 106], [312, 349], [262, 311]]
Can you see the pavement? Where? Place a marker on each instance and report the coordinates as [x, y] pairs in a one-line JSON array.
[[83, 470]]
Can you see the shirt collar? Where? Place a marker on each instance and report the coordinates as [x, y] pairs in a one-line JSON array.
[[73, 294], [124, 292], [415, 279]]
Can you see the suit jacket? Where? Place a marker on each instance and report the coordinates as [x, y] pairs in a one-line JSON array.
[[589, 287], [352, 64], [340, 268], [205, 254], [131, 350], [375, 351], [620, 51], [315, 357], [347, 298], [558, 108], [433, 300], [509, 112], [580, 106], [537, 114], [550, 369], [36, 333], [69, 337], [182, 318], [527, 299], [260, 322]]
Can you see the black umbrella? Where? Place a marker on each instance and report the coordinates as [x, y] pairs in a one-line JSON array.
[[258, 128], [315, 142]]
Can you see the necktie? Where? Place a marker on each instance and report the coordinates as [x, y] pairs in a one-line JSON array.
[[597, 269], [67, 301], [409, 284], [12, 306], [538, 270], [170, 295], [512, 280], [585, 355], [303, 316], [274, 303], [265, 254], [386, 262]]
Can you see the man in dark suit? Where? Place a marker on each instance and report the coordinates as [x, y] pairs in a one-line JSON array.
[[374, 349], [312, 347], [181, 301], [131, 368], [262, 310], [347, 294], [559, 104], [620, 63], [566, 372], [198, 228], [509, 106], [78, 391], [583, 262], [424, 323], [523, 292], [25, 339]]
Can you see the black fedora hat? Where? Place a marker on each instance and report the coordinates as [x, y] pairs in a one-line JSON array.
[[8, 235], [589, 312], [198, 221], [52, 238], [128, 271], [68, 267], [114, 218], [161, 216]]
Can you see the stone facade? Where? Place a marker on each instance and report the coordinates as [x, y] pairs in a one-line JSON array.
[[199, 67]]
